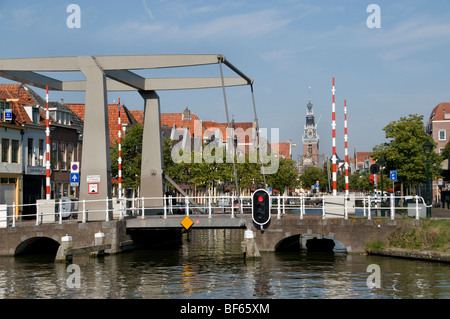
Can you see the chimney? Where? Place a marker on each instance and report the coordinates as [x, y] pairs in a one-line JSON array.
[[186, 114]]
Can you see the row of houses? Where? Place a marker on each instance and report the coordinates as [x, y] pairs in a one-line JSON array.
[[23, 141]]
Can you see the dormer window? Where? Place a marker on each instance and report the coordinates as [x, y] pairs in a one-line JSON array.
[[33, 113], [4, 108], [59, 116]]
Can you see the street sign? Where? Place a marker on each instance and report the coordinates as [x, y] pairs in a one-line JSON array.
[[74, 167], [74, 179], [93, 188], [93, 178], [393, 175], [8, 115]]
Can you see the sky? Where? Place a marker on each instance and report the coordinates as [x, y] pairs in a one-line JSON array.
[[290, 48]]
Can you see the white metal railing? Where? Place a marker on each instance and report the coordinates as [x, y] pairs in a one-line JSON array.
[[326, 206]]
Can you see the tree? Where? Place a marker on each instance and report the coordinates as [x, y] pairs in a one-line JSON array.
[[313, 174], [131, 157], [285, 177], [404, 151]]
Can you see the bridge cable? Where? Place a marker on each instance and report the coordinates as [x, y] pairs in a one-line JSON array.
[[257, 135], [229, 129]]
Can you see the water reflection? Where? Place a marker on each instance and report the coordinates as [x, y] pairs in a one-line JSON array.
[[209, 264]]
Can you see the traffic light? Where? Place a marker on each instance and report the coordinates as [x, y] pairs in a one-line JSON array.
[[261, 204]]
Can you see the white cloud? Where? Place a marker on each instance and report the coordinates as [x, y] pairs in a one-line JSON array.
[[409, 37], [243, 25]]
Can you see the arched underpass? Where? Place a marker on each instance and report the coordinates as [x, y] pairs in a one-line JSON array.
[[310, 243], [37, 246]]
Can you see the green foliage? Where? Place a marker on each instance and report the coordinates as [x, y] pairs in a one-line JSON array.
[[131, 157], [313, 174], [201, 169], [404, 151], [375, 245], [433, 235], [285, 177]]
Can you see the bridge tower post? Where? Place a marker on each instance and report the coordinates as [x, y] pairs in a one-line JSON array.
[[96, 151], [152, 155]]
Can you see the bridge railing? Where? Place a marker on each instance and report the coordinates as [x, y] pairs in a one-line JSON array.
[[326, 206], [343, 206]]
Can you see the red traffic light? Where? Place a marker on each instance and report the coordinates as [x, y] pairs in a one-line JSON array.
[[260, 198]]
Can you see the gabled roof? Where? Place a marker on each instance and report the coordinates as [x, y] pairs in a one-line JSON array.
[[126, 117], [74, 119], [138, 116], [20, 95], [361, 157], [284, 149], [439, 112]]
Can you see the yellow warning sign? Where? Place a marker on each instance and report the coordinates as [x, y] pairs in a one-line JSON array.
[[187, 222]]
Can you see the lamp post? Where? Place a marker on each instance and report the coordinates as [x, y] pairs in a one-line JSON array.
[[427, 148], [381, 162]]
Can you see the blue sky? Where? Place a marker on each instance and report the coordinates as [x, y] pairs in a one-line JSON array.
[[285, 46]]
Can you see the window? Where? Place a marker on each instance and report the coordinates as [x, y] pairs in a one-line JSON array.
[[41, 152], [62, 156], [442, 135], [36, 115], [54, 155], [15, 151], [2, 110], [3, 106], [5, 150], [30, 152], [70, 152]]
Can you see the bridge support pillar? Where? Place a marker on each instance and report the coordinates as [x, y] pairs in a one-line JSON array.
[[249, 246], [95, 180], [152, 155], [66, 244]]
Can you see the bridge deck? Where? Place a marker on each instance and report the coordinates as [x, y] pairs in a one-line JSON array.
[[199, 221]]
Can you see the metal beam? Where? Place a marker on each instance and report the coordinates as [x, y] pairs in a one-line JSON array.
[[190, 83], [134, 62], [127, 77], [32, 78], [160, 84], [111, 62], [47, 64]]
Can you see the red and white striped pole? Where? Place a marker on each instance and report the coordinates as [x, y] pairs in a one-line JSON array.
[[119, 160], [47, 133], [333, 125], [346, 148]]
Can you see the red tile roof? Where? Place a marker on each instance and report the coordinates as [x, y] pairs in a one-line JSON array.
[[20, 96], [282, 148], [440, 112], [126, 117], [138, 116], [77, 108], [361, 157]]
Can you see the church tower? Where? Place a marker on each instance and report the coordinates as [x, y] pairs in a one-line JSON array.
[[310, 139]]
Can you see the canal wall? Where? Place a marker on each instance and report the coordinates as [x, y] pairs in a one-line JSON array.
[[353, 234], [17, 240], [412, 254]]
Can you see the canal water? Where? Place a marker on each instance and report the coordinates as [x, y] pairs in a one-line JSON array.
[[210, 265]]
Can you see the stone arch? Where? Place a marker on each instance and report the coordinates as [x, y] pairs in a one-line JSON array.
[[298, 241], [37, 245], [289, 243]]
